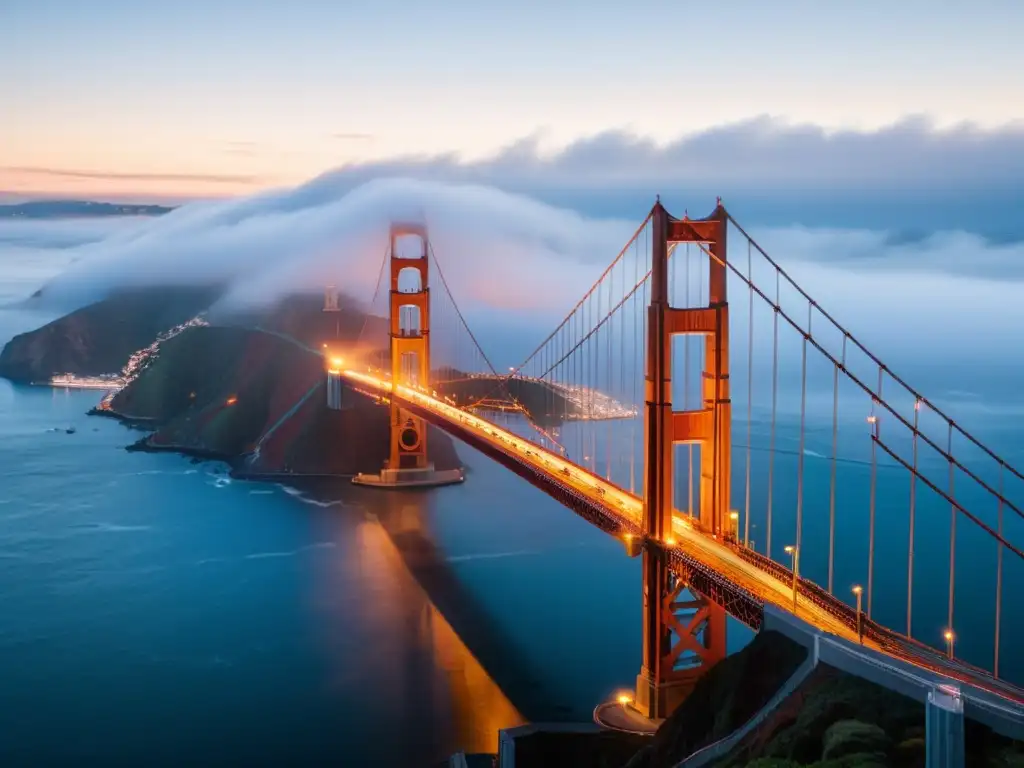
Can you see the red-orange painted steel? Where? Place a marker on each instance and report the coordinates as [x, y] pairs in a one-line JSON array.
[[663, 681]]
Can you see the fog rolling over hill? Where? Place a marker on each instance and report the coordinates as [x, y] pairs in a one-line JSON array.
[[69, 209]]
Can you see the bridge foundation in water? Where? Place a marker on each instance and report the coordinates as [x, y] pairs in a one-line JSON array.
[[427, 477]]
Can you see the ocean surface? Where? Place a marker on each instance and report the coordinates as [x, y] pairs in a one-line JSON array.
[[153, 611]]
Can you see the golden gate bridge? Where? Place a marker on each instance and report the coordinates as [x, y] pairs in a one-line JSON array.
[[849, 489]]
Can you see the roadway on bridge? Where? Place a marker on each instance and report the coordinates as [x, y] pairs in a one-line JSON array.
[[695, 543], [688, 540]]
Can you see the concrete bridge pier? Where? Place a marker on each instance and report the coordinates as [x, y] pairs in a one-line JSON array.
[[944, 728]]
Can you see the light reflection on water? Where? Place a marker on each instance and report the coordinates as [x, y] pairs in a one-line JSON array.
[[423, 664], [156, 611]]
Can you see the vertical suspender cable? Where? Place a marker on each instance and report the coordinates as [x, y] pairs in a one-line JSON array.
[[595, 341], [775, 401], [577, 398], [750, 391], [637, 353], [580, 404], [610, 326], [561, 380], [595, 382], [803, 422], [621, 395], [589, 378], [999, 573], [581, 383], [952, 528], [874, 490], [832, 476], [643, 327], [913, 515]]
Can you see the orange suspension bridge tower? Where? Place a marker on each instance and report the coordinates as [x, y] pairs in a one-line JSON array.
[[409, 342], [682, 638]]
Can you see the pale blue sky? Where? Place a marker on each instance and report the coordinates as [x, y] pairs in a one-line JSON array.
[[227, 95]]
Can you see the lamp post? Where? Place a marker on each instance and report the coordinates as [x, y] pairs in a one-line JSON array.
[[794, 552], [734, 526], [858, 590], [949, 637]]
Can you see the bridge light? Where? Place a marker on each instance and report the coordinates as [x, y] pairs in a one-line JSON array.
[[633, 544], [624, 699], [858, 590], [872, 419], [337, 362], [949, 638], [794, 552], [670, 541]]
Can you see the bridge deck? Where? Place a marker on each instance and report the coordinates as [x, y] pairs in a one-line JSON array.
[[747, 575]]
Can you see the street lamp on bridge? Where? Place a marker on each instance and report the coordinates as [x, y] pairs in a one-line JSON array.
[[858, 590], [794, 552], [949, 638]]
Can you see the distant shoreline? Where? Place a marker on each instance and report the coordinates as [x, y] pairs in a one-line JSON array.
[[49, 210]]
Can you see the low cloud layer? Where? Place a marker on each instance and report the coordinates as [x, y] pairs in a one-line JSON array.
[[762, 153], [910, 179], [517, 265], [496, 248]]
